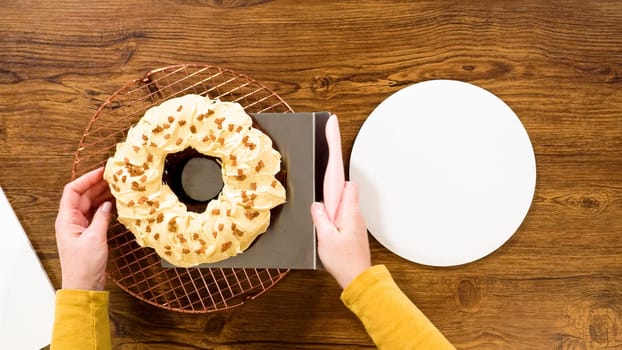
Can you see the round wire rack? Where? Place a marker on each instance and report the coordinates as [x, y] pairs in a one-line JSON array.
[[136, 269]]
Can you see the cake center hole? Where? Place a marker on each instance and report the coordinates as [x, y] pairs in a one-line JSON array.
[[201, 179], [194, 178]]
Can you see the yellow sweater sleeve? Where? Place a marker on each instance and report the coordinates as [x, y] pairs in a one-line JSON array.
[[390, 318], [81, 320]]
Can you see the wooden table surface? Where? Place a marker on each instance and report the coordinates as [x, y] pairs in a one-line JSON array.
[[557, 284]]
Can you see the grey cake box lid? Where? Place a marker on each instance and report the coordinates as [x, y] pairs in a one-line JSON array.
[[290, 240]]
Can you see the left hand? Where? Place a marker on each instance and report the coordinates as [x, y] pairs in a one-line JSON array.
[[83, 217]]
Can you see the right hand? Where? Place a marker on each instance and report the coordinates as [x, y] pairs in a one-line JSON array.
[[343, 246]]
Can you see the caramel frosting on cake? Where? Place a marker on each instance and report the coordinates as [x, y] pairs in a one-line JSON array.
[[153, 213]]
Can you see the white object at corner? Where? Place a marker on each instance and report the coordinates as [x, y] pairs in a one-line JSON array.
[[26, 295], [446, 172]]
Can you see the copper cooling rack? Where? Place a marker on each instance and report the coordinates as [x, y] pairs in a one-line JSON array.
[[138, 270]]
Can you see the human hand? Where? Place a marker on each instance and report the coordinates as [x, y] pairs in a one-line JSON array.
[[343, 246], [81, 225]]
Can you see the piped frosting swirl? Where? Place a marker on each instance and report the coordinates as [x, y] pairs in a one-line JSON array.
[[151, 210]]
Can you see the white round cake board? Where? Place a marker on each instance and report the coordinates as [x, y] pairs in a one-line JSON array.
[[446, 172]]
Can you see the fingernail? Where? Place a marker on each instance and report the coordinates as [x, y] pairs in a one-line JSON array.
[[316, 207], [107, 207]]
